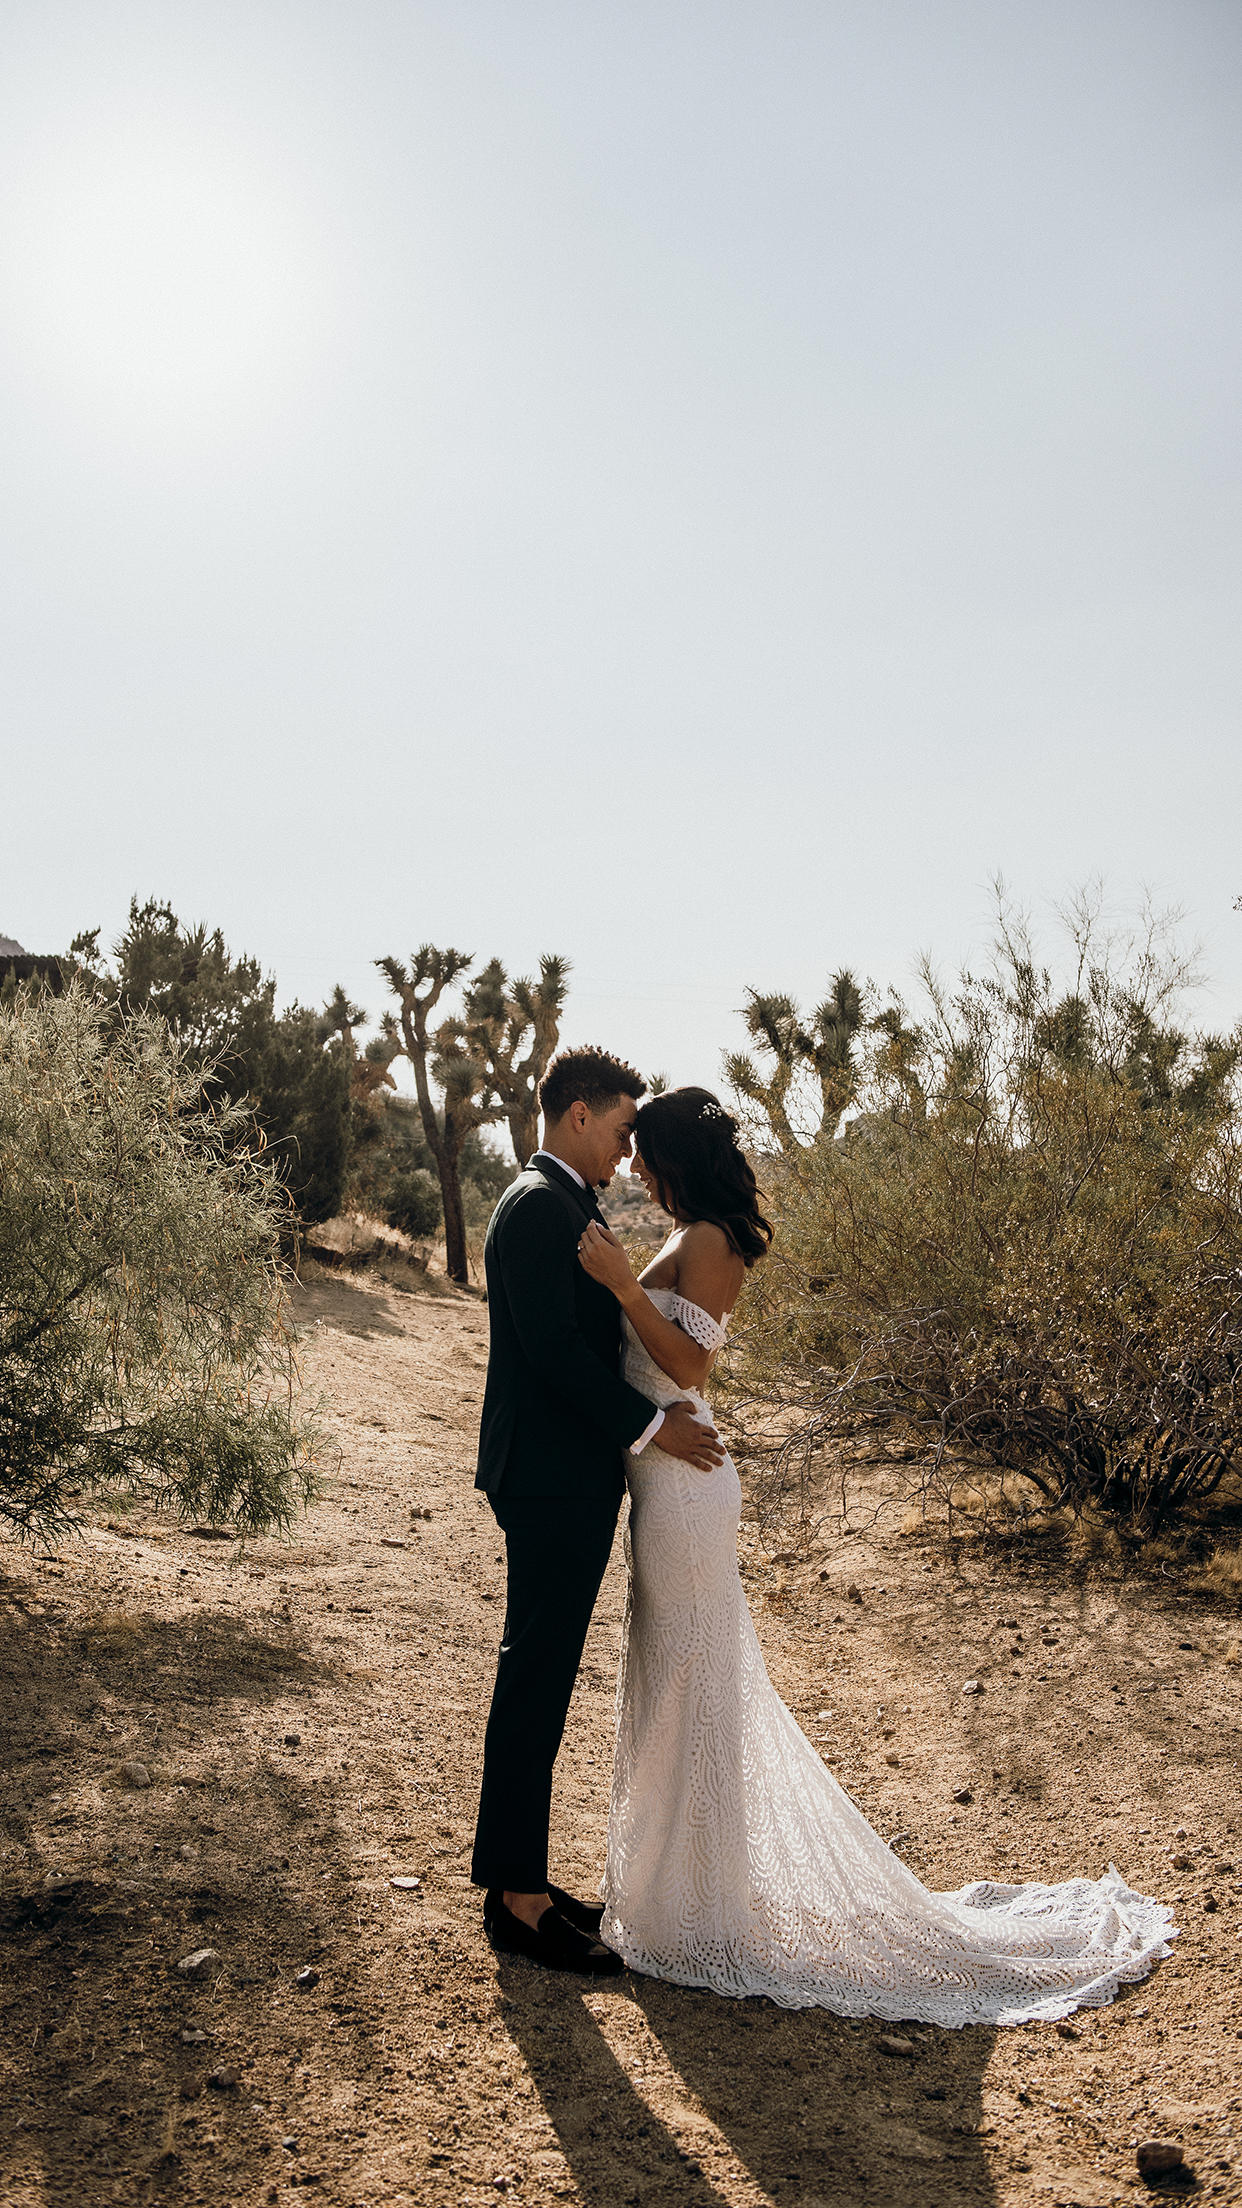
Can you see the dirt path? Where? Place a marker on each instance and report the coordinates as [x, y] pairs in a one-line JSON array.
[[309, 1720]]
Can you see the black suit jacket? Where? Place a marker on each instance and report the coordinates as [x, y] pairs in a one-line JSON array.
[[556, 1412]]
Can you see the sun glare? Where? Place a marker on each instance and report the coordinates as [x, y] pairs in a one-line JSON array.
[[163, 283]]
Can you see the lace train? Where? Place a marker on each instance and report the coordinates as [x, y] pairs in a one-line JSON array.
[[735, 1860]]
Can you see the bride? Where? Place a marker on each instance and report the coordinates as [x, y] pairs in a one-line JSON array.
[[735, 1861]]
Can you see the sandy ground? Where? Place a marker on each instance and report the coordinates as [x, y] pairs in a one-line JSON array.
[[309, 1720]]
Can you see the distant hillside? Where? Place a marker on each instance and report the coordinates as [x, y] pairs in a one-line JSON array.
[[626, 1208], [21, 965], [10, 949]]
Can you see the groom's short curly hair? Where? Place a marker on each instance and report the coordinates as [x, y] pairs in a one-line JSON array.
[[591, 1077]]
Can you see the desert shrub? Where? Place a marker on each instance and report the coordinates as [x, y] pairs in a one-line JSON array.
[[1024, 1257], [299, 1094], [414, 1205], [388, 1145], [486, 1169], [390, 1150], [290, 1069], [144, 1342]]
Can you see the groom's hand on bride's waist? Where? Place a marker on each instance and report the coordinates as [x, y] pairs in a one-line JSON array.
[[684, 1435]]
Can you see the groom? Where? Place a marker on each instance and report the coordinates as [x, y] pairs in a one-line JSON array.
[[556, 1417]]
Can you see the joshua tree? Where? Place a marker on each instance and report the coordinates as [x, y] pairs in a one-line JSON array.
[[773, 1023], [443, 1058], [369, 1068], [829, 1047], [898, 1058], [823, 1045], [512, 1030], [489, 1058]]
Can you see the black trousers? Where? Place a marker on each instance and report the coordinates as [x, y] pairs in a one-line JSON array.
[[558, 1549]]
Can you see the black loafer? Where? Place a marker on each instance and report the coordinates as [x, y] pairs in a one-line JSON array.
[[554, 1942], [585, 1916]]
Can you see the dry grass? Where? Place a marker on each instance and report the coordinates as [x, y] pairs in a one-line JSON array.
[[1221, 1575]]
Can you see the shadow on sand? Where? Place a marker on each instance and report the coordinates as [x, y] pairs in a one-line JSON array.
[[808, 2105], [106, 2097]]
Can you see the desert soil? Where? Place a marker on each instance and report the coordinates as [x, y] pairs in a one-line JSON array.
[[309, 1718]]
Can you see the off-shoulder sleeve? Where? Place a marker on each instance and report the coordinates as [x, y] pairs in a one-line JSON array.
[[697, 1323]]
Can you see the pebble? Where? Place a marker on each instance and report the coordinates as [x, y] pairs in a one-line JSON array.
[[1156, 2157], [963, 1793], [889, 2044], [973, 1686], [404, 1885], [387, 1541], [306, 1979], [853, 1594], [222, 2079], [293, 1740], [205, 1962], [290, 2145], [193, 2039], [1067, 2031], [1182, 1863], [1210, 1905], [135, 1774]]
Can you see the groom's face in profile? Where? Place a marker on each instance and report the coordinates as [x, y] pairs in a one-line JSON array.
[[600, 1139]]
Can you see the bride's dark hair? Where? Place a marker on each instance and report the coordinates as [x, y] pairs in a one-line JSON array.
[[689, 1144]]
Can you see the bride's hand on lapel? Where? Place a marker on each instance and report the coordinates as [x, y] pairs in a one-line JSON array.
[[602, 1256]]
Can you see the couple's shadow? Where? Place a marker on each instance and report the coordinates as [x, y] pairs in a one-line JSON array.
[[658, 2093]]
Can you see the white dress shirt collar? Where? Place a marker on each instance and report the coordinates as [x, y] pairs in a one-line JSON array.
[[535, 1156]]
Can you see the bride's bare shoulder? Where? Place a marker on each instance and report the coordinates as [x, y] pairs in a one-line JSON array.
[[709, 1270], [704, 1237]]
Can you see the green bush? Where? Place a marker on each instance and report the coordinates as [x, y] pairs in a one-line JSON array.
[[287, 1068], [144, 1338], [390, 1150], [1024, 1258], [299, 1093], [414, 1205]]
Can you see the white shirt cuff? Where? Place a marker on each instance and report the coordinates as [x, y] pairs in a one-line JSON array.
[[637, 1447]]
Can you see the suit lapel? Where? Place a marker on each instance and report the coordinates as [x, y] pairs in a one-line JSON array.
[[556, 1175]]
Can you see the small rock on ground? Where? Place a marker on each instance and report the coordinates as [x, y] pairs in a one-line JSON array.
[[205, 1962], [1156, 2157]]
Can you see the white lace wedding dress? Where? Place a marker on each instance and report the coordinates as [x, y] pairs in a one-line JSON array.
[[736, 1862]]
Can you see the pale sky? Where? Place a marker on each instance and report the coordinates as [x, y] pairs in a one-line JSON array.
[[697, 487]]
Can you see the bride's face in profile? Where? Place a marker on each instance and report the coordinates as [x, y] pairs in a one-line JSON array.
[[650, 1184]]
